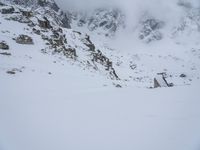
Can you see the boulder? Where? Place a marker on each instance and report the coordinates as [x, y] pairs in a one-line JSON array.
[[27, 14], [11, 72], [36, 31], [44, 23], [24, 39], [3, 45], [14, 71], [7, 10], [183, 75], [5, 54]]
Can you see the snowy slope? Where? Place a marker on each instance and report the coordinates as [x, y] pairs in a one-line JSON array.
[[53, 114]]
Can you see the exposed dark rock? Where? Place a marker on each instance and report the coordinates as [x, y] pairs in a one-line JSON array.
[[70, 53], [81, 22], [24, 39], [44, 37], [57, 40], [183, 75], [36, 31], [42, 2], [2, 4], [114, 74], [184, 3], [14, 71], [27, 14], [44, 23], [118, 86], [45, 3], [4, 45], [11, 72], [19, 18], [31, 24], [89, 43], [103, 60], [5, 53], [150, 30], [7, 10], [106, 19], [133, 66], [65, 19]]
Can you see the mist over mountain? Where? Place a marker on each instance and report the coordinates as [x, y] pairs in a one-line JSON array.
[[132, 8], [171, 12]]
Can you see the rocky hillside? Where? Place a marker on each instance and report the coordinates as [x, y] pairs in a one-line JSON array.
[[45, 24], [62, 18]]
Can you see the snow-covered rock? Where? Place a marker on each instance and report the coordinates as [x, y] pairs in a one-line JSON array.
[[102, 21]]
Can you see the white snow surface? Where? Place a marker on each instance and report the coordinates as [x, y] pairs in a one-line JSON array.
[[40, 112]]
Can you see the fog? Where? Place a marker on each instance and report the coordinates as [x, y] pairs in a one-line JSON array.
[[133, 9], [131, 6], [128, 4]]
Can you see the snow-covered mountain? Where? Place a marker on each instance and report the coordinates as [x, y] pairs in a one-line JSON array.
[[44, 23], [47, 6], [74, 80]]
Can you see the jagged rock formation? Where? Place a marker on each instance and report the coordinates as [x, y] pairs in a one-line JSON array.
[[24, 39], [150, 30], [45, 23], [190, 23], [49, 8], [7, 10], [105, 21]]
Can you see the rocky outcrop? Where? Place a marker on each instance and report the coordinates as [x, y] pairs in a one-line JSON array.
[[98, 57], [4, 45], [49, 8], [24, 39], [89, 44], [70, 53], [108, 20], [150, 30], [44, 23], [75, 46], [26, 13], [7, 10], [5, 54]]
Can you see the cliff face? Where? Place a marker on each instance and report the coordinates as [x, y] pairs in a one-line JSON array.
[[102, 21]]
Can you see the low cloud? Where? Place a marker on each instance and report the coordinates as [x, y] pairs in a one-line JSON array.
[[133, 9]]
